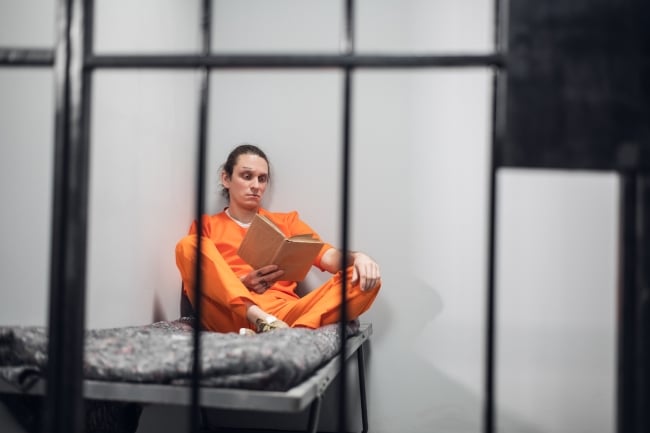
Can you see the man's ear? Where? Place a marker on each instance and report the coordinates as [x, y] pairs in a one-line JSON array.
[[225, 180]]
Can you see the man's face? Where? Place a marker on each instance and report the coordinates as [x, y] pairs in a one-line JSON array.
[[248, 182]]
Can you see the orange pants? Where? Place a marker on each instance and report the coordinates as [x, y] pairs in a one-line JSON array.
[[224, 296]]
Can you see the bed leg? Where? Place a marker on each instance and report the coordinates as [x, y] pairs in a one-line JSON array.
[[314, 415], [362, 388], [203, 421]]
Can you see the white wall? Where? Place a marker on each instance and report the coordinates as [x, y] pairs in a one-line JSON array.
[[419, 201], [26, 151], [557, 315]]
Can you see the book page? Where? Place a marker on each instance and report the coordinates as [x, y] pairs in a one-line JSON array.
[[265, 244], [260, 244], [296, 258]]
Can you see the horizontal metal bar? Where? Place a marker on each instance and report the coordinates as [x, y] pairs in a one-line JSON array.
[[295, 61], [26, 57], [45, 57]]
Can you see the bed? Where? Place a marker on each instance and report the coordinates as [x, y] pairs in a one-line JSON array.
[[125, 368]]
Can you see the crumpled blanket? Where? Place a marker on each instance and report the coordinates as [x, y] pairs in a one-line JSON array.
[[162, 353]]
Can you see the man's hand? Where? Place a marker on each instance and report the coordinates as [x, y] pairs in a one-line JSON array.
[[259, 280], [365, 271]]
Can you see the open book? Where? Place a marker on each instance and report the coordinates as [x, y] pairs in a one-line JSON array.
[[265, 244]]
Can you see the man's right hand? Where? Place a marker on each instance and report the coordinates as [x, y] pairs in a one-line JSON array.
[[259, 280]]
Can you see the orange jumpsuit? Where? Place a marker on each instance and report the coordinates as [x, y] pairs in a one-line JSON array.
[[224, 295]]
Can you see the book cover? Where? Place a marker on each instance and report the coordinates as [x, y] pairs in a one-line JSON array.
[[265, 244]]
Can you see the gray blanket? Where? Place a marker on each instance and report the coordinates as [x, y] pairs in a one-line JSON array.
[[162, 353]]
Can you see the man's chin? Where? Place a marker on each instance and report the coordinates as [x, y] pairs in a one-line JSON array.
[[252, 204]]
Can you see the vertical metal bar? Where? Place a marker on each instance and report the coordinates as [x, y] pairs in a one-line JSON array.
[[345, 200], [64, 400], [348, 47], [206, 29], [625, 415], [490, 315], [498, 137], [642, 308]]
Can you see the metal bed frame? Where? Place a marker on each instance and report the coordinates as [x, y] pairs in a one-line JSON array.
[[309, 393]]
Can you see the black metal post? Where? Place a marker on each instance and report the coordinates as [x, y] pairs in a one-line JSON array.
[[64, 401], [633, 384], [626, 301], [498, 138], [490, 314], [348, 49], [206, 28], [641, 355], [345, 212]]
